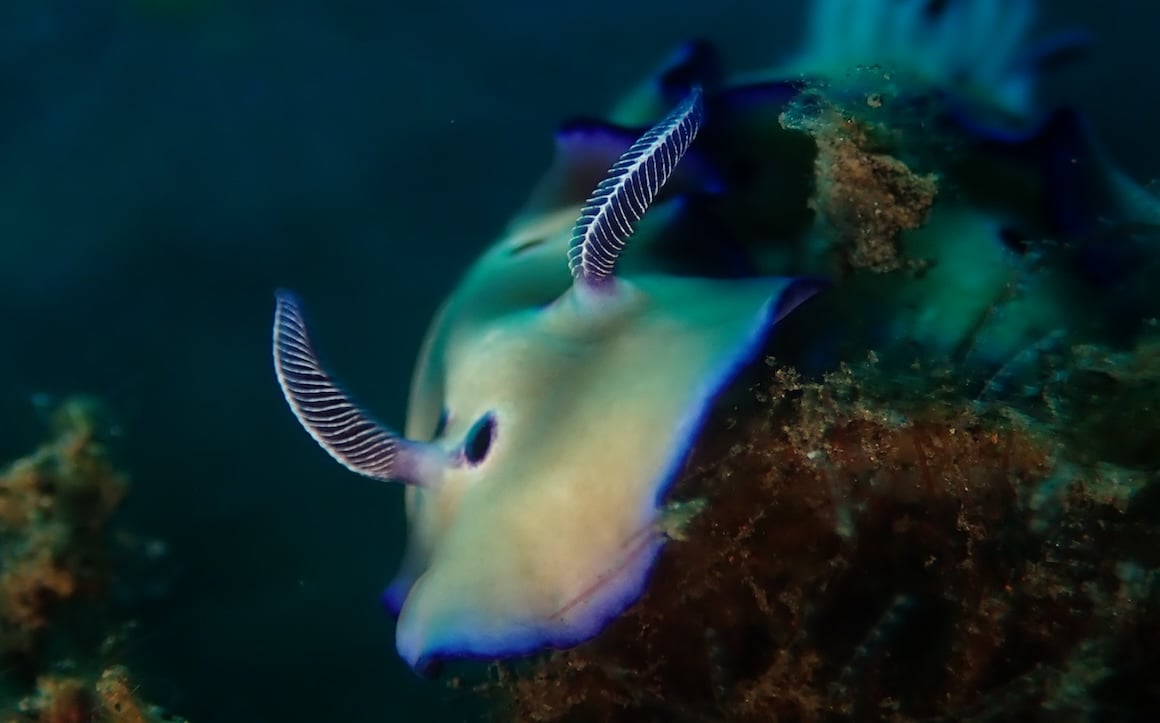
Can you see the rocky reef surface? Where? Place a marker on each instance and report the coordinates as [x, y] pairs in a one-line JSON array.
[[58, 564]]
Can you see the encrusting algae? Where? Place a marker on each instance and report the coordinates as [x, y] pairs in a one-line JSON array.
[[55, 566], [864, 195], [54, 507], [872, 551]]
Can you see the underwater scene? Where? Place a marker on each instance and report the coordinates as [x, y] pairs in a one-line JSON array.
[[581, 362]]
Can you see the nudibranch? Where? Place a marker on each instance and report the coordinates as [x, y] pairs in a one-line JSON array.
[[1033, 235], [974, 53], [542, 436]]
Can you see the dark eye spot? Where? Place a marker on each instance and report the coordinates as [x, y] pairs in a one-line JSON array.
[[478, 442]]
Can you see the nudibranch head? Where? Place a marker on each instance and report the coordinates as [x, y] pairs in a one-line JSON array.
[[537, 502]]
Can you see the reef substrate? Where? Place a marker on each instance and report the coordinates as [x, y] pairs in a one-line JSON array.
[[57, 564], [890, 545]]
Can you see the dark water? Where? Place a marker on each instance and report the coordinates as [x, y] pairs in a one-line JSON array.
[[165, 165]]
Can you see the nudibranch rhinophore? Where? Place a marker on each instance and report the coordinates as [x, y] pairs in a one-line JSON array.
[[545, 435]]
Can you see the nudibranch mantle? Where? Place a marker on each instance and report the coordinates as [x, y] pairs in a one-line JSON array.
[[536, 498], [555, 535]]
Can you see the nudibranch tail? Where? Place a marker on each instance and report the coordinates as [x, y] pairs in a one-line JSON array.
[[621, 199], [351, 437]]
